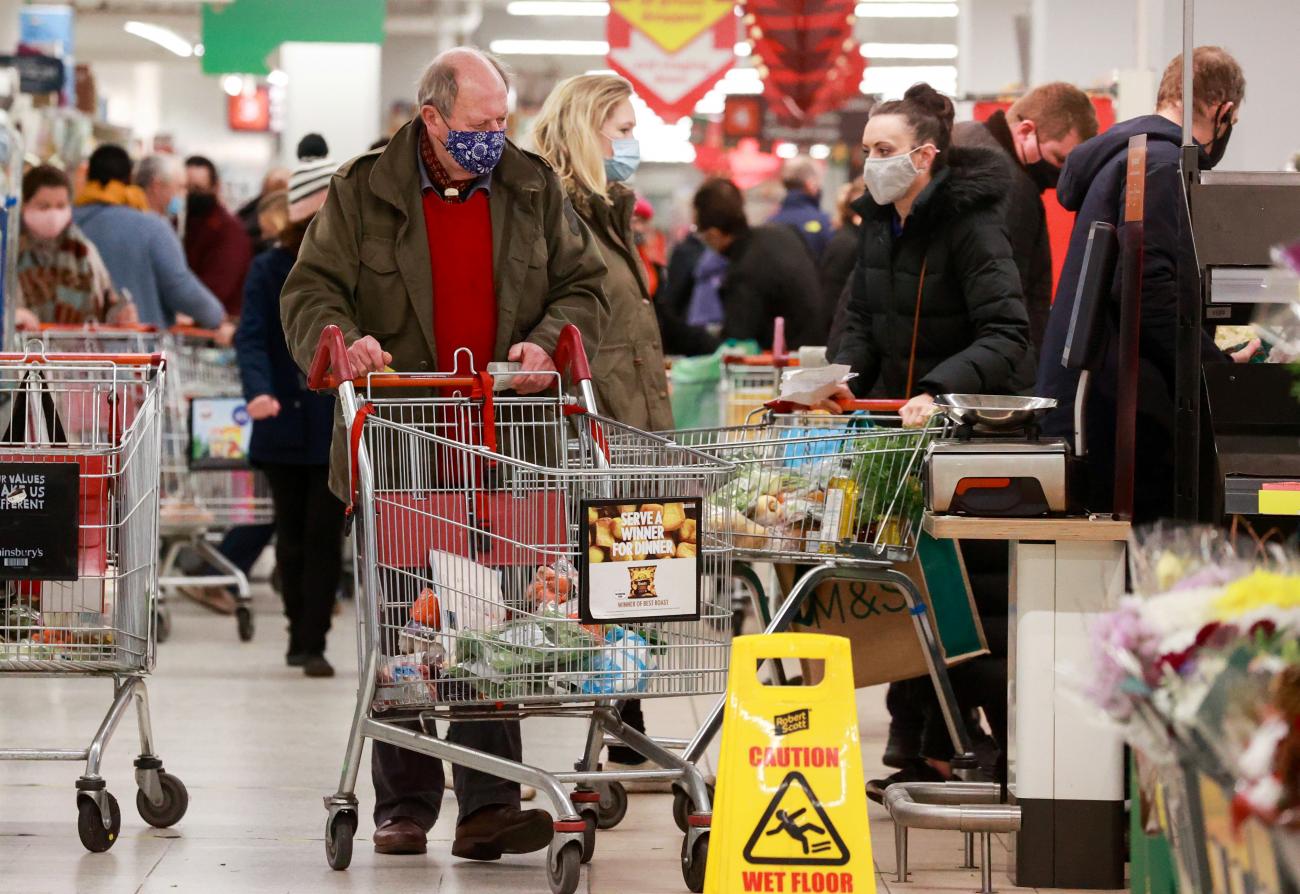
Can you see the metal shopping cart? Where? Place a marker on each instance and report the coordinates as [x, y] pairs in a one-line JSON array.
[[840, 493], [79, 449], [748, 382], [494, 536], [208, 487]]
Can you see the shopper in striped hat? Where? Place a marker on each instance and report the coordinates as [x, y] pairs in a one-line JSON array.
[[291, 435]]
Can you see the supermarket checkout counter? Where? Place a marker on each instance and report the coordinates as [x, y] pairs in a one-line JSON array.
[[1065, 763]]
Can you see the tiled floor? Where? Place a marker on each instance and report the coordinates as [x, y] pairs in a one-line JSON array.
[[257, 745]]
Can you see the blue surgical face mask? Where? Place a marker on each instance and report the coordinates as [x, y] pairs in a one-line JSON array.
[[627, 158], [477, 151], [175, 206]]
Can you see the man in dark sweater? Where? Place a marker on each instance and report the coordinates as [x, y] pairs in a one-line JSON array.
[[1036, 135], [770, 273], [216, 246], [1092, 185]]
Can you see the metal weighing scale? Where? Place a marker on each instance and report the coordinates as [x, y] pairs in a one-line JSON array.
[[996, 465]]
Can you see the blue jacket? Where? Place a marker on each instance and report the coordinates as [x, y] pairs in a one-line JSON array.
[[144, 257], [301, 434], [802, 211], [1092, 185]]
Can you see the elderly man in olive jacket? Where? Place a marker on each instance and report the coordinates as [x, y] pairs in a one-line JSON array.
[[450, 238]]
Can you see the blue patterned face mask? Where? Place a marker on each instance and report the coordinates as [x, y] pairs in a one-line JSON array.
[[477, 151]]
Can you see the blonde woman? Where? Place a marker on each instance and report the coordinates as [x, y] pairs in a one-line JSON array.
[[585, 131]]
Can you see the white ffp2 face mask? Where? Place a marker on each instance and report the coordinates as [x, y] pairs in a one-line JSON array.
[[887, 179]]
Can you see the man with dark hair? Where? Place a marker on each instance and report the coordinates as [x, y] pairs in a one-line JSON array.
[[216, 245], [801, 208], [140, 248], [1035, 135], [1092, 185], [313, 147], [770, 273]]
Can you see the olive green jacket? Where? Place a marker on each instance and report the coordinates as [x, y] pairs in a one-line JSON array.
[[628, 370], [365, 266]]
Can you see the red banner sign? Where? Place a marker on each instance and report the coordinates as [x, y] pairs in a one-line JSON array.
[[672, 81]]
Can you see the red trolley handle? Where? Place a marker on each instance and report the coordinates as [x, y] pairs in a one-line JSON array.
[[846, 406], [331, 354], [109, 328], [570, 355], [779, 355], [194, 332], [118, 359]]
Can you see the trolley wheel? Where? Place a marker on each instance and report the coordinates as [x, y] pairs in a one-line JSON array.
[[339, 833], [90, 823], [162, 625], [612, 806], [567, 871], [591, 821], [683, 806], [176, 800], [695, 862], [244, 620]]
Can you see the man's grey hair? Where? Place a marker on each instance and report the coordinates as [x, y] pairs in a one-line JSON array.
[[796, 172], [153, 168], [438, 85]]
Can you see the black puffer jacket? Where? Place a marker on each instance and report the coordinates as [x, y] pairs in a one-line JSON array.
[[973, 329]]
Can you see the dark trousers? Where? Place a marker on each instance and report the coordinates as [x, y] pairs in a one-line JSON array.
[[630, 713], [308, 549], [244, 544], [409, 784]]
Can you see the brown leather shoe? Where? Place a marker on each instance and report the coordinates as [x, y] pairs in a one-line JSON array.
[[399, 836], [492, 831]]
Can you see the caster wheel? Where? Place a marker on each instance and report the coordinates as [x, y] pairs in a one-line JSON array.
[[244, 620], [695, 863], [162, 625], [613, 805], [176, 800], [566, 872], [90, 823], [592, 822], [683, 807], [338, 839]]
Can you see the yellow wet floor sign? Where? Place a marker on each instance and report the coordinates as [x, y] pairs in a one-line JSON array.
[[790, 814]]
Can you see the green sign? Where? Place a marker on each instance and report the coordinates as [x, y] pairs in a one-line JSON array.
[[238, 36]]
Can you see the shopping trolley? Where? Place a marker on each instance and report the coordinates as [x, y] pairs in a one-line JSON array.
[[79, 447], [207, 486], [748, 382], [838, 492], [486, 527]]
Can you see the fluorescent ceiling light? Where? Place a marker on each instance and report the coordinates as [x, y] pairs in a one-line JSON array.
[[787, 150], [557, 8], [233, 85], [743, 49], [165, 37], [511, 47], [890, 9], [909, 50], [277, 78], [891, 81], [819, 151]]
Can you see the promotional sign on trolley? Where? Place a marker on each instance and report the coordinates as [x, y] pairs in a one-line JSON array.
[[640, 561], [672, 51]]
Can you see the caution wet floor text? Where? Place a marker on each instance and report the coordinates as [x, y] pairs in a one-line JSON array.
[[790, 815]]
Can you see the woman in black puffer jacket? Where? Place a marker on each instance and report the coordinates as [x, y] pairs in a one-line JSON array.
[[936, 302]]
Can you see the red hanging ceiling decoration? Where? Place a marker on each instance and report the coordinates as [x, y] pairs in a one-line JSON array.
[[813, 64]]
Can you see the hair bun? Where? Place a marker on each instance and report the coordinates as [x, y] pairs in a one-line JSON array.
[[933, 102]]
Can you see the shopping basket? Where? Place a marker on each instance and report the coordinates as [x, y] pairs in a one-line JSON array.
[[492, 536], [79, 447], [840, 493], [208, 487]]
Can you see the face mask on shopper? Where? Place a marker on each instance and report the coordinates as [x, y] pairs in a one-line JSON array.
[[1044, 174], [1219, 145], [477, 151], [889, 178], [200, 204], [175, 207], [627, 158], [48, 223]]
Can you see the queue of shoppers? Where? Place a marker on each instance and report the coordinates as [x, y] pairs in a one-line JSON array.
[[934, 277]]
